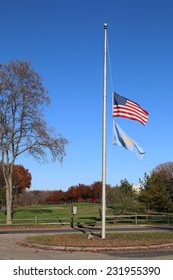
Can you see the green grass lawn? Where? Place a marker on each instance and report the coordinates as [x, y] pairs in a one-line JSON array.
[[85, 212]]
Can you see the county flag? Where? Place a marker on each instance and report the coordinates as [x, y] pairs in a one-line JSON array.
[[125, 108], [121, 139]]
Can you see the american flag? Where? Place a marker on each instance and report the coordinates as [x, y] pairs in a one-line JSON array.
[[125, 108]]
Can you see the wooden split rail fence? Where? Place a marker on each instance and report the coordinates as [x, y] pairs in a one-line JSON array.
[[114, 219]]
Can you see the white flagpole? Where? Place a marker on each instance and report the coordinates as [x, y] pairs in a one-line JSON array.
[[104, 138]]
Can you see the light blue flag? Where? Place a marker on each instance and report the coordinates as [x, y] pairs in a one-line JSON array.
[[121, 139]]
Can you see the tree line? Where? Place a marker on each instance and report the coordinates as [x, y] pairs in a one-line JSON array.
[[22, 195], [74, 194], [155, 194]]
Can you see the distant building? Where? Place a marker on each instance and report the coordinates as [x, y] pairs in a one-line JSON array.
[[136, 188]]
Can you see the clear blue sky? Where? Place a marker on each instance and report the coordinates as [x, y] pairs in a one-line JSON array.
[[64, 42]]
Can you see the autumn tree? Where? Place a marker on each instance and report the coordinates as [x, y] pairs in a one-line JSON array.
[[72, 194], [55, 197], [23, 128], [21, 179], [96, 191], [83, 192]]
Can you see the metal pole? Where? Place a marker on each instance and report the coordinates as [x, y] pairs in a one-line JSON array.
[[104, 139]]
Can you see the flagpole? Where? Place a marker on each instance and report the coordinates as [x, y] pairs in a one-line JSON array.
[[104, 138]]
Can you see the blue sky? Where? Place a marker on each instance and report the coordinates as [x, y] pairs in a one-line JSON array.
[[63, 40]]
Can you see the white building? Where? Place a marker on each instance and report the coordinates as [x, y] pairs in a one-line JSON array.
[[136, 188]]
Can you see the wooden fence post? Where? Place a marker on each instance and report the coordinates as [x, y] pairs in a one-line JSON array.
[[136, 218], [168, 218]]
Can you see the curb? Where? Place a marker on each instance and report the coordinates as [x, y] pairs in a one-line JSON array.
[[94, 249]]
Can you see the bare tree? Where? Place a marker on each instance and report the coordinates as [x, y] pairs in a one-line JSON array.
[[165, 171], [165, 168], [23, 128]]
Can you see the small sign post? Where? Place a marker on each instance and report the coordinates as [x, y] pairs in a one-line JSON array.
[[73, 211]]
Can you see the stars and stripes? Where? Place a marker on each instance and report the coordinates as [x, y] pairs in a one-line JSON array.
[[125, 108]]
